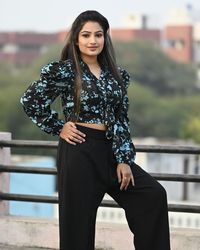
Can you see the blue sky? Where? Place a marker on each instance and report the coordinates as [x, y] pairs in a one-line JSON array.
[[51, 15]]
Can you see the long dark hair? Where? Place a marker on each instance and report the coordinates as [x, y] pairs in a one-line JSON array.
[[71, 51]]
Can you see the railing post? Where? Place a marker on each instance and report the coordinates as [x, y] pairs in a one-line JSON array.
[[185, 184], [4, 177]]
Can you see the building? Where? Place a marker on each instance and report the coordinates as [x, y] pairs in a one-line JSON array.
[[128, 35], [179, 38], [196, 46], [178, 35], [23, 47], [136, 27]]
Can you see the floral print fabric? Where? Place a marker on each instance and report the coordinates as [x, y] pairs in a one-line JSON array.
[[100, 100]]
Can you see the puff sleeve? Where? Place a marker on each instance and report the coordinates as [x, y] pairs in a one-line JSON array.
[[39, 96], [123, 147]]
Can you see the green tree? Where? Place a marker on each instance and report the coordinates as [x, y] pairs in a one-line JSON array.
[[154, 115], [191, 129], [13, 82], [149, 65], [151, 114]]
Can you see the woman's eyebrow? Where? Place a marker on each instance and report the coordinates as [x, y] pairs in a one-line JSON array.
[[86, 31]]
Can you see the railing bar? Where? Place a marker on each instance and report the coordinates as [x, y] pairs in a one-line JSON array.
[[168, 149], [177, 149], [105, 203], [177, 177], [184, 208], [29, 143], [28, 170], [27, 197], [53, 171]]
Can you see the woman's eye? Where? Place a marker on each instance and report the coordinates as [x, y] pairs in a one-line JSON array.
[[99, 35], [85, 35]]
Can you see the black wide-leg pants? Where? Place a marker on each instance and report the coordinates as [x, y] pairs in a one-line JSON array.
[[86, 172]]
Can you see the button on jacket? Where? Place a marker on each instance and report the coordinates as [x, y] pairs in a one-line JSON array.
[[100, 100]]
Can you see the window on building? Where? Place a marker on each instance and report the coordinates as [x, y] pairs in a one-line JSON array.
[[29, 47], [178, 44], [172, 43]]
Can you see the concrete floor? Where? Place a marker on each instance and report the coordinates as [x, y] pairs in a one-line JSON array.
[[5, 247]]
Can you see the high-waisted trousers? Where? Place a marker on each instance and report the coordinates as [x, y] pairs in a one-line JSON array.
[[86, 171]]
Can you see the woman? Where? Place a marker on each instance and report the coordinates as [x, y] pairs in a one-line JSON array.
[[95, 153]]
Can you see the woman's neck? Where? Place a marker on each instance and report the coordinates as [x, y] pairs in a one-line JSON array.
[[90, 60]]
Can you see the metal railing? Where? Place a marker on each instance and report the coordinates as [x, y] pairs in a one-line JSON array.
[[195, 150]]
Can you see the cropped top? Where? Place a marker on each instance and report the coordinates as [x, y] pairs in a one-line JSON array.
[[100, 98]]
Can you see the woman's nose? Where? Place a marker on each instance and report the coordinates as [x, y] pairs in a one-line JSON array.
[[92, 40]]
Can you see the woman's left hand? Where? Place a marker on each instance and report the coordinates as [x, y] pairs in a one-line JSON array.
[[124, 175]]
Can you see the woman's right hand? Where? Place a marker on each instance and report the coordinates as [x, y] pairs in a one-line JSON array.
[[71, 134]]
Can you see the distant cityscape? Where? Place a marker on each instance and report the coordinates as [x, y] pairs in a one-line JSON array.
[[179, 38]]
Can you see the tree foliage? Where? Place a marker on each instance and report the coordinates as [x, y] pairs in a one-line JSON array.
[[190, 128], [152, 111], [13, 82], [152, 68], [154, 115]]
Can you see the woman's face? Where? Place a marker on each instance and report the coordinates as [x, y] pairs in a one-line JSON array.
[[90, 39]]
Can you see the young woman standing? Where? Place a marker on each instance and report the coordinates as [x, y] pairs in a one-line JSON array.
[[95, 153]]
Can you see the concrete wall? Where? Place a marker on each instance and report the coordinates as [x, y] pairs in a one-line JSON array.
[[27, 231]]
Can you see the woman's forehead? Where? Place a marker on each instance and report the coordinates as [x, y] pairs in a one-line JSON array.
[[91, 26]]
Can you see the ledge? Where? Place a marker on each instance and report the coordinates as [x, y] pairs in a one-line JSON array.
[[29, 233]]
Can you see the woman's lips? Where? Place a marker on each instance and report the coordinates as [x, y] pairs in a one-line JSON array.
[[92, 48]]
